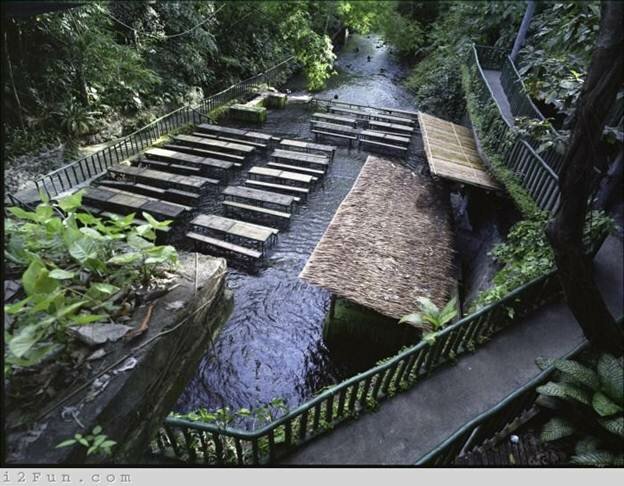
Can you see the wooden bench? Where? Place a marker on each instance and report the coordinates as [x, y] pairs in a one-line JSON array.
[[281, 188], [338, 120], [225, 246], [280, 217], [296, 168], [209, 154], [235, 230], [309, 147], [168, 167], [214, 144], [350, 138], [374, 144], [259, 145]]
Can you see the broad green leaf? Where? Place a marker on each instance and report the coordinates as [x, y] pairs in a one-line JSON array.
[[155, 223], [25, 339], [565, 390], [60, 274], [604, 405], [17, 306], [596, 458], [70, 203], [92, 233], [102, 289], [70, 309], [36, 279], [83, 249], [35, 355], [87, 318], [139, 243], [66, 443], [586, 444], [22, 214], [611, 375], [614, 425], [557, 428], [578, 373], [125, 258], [43, 212]]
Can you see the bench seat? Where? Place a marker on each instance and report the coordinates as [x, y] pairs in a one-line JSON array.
[[224, 245]]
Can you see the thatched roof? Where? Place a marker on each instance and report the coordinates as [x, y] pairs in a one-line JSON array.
[[452, 152], [389, 242]]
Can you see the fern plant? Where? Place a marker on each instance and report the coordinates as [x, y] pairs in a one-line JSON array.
[[589, 405], [430, 318]]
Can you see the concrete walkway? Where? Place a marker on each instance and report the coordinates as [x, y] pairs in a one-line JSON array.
[[410, 424], [493, 78]]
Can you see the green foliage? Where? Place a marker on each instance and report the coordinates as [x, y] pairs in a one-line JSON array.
[[594, 413], [430, 319], [555, 60], [244, 417], [95, 443], [74, 265]]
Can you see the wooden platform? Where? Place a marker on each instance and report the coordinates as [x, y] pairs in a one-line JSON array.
[[296, 168], [205, 164], [309, 147], [240, 193], [235, 132], [298, 192], [124, 202], [162, 179], [207, 154], [280, 218], [452, 153], [384, 137], [300, 158], [225, 247], [279, 175], [214, 144], [260, 236], [214, 136], [396, 111], [391, 127], [340, 120]]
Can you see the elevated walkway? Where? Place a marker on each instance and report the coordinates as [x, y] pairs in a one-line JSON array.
[[412, 423]]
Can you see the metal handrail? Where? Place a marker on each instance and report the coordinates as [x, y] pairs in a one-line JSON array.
[[448, 450], [346, 398], [535, 175], [92, 166]]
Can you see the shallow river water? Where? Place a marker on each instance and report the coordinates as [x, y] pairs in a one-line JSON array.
[[272, 346]]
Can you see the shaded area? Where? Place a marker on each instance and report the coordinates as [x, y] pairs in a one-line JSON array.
[[413, 423]]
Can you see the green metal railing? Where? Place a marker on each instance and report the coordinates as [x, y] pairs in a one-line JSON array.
[[491, 422], [212, 444], [530, 169], [88, 168], [520, 102], [494, 421]]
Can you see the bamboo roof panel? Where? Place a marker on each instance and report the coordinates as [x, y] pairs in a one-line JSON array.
[[452, 153]]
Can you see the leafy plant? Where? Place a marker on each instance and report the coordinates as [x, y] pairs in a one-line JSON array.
[[95, 442], [588, 399], [430, 318], [244, 417], [76, 269]]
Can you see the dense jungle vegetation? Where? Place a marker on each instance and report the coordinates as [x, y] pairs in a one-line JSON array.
[[96, 72]]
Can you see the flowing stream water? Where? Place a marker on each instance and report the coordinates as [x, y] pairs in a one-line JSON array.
[[272, 346]]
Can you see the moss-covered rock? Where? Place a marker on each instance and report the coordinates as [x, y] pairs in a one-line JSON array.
[[248, 114]]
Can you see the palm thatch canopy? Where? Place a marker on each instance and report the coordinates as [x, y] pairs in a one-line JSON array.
[[389, 242]]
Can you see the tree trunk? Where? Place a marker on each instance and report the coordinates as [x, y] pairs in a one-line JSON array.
[[579, 178], [18, 104]]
